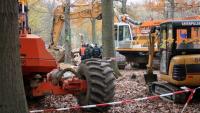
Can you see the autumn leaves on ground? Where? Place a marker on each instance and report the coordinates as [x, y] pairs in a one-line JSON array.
[[127, 87]]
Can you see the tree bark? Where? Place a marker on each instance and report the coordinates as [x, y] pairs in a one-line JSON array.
[[171, 9], [123, 9], [93, 21], [108, 33], [12, 94], [68, 58], [165, 10]]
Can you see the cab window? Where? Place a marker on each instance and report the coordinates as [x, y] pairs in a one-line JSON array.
[[188, 38], [169, 38], [124, 33], [127, 35], [163, 39], [115, 32], [121, 34]]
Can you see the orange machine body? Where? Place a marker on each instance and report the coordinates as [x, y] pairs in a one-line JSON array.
[[34, 55], [37, 63], [37, 60]]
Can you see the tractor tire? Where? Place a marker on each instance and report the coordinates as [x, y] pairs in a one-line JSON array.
[[100, 84]]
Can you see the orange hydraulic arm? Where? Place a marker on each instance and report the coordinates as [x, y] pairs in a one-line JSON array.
[[89, 11], [125, 18]]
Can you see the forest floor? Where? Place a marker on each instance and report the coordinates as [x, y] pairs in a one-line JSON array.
[[127, 87]]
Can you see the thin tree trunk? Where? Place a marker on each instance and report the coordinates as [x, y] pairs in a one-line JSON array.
[[108, 33], [123, 9], [165, 10], [68, 48], [12, 94], [171, 9], [93, 21]]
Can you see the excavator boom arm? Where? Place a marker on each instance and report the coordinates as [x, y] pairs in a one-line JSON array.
[[89, 11]]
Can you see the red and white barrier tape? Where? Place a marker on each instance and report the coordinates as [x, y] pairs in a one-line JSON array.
[[189, 99], [113, 103]]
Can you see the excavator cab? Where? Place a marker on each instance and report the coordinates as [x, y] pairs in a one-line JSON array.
[[179, 58], [123, 35], [180, 52]]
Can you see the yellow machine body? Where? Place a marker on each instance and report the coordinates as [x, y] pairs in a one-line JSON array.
[[180, 52], [179, 49], [191, 64]]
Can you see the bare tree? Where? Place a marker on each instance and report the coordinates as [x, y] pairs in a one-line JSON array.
[[123, 9], [171, 8], [67, 33], [165, 9], [12, 94], [108, 33], [93, 21]]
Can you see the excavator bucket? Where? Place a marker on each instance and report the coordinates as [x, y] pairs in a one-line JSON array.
[[150, 77]]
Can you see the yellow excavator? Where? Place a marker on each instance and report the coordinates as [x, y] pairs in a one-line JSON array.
[[89, 11], [179, 49]]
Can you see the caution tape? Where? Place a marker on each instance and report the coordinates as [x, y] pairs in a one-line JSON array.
[[117, 103], [189, 99]]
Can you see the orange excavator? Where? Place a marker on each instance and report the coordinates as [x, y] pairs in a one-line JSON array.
[[91, 84]]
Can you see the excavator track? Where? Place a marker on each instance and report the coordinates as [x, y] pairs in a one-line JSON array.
[[158, 88]]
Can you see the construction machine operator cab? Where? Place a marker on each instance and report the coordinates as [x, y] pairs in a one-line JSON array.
[[123, 35], [178, 38]]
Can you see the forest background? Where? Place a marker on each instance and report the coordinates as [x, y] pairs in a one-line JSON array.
[[41, 16]]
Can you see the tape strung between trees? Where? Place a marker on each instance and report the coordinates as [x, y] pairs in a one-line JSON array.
[[124, 102]]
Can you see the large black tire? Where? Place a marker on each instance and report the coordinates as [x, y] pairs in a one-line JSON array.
[[100, 84]]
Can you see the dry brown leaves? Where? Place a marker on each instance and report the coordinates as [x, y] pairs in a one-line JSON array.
[[127, 88]]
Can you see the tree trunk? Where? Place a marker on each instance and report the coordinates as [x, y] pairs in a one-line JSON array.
[[165, 10], [108, 33], [93, 21], [123, 9], [12, 94], [68, 48], [171, 9]]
